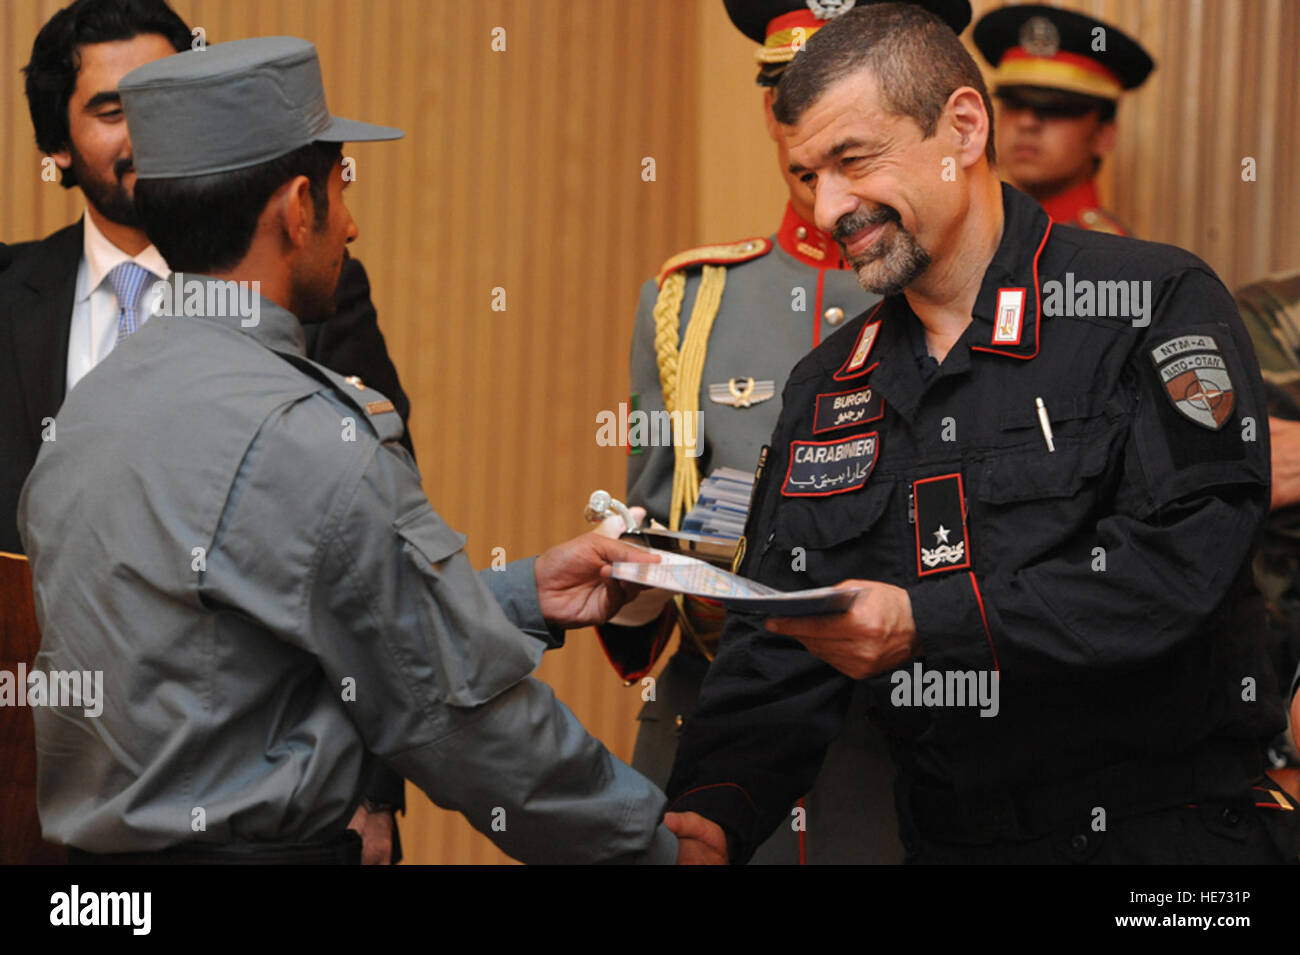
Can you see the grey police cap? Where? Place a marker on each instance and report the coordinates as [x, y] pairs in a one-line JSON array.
[[231, 106]]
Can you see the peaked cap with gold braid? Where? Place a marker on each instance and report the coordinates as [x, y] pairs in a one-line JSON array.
[[1048, 48], [784, 26]]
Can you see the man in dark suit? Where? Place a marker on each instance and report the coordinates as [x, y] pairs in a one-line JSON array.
[[61, 299]]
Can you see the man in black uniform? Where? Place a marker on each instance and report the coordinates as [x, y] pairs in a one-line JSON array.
[[1049, 508]]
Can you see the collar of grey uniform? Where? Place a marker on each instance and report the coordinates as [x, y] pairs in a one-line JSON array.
[[194, 296]]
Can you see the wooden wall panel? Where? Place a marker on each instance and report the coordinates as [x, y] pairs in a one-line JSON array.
[[522, 170], [1226, 86]]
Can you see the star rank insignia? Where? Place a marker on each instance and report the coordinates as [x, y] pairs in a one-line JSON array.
[[941, 540]]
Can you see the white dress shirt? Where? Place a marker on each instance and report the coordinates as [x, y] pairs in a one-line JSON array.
[[95, 307]]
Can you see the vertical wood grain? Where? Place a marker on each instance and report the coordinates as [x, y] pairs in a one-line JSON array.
[[522, 170]]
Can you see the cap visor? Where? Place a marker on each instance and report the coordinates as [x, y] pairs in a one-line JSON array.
[[342, 130]]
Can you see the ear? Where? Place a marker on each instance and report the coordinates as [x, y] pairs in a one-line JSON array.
[[62, 159], [294, 211], [773, 128], [1103, 140], [969, 121]]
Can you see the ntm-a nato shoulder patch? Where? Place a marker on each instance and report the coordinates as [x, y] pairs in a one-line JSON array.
[[1196, 379]]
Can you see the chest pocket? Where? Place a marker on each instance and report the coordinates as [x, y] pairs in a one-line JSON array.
[[1028, 500], [821, 541]]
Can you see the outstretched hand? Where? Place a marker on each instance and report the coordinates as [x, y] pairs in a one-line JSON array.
[[574, 585]]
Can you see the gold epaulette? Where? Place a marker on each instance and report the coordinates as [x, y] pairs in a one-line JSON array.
[[731, 254], [1099, 220]]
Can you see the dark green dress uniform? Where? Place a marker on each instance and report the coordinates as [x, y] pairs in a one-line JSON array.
[[233, 536], [1103, 580]]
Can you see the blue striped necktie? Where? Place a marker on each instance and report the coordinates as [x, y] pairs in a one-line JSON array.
[[128, 280]]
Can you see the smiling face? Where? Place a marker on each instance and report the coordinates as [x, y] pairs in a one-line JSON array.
[[99, 148], [879, 187]]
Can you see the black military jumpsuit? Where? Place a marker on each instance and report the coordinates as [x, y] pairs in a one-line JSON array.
[[1105, 582]]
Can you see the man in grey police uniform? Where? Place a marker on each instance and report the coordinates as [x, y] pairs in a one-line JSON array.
[[232, 535], [754, 307]]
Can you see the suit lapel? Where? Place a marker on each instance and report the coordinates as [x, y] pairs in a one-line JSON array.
[[41, 321]]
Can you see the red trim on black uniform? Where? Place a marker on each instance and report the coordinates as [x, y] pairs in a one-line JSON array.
[[817, 409], [875, 455], [979, 599], [1038, 310], [700, 789], [844, 374], [965, 536]]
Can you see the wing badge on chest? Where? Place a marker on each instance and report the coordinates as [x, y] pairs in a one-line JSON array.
[[741, 392]]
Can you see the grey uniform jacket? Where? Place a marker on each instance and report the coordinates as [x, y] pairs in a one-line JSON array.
[[775, 308], [233, 536], [768, 319]]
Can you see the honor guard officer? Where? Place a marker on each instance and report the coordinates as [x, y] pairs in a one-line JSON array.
[[1049, 514], [717, 330], [1058, 76], [232, 535]]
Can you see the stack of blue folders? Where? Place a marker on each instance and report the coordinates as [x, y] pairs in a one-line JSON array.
[[722, 505]]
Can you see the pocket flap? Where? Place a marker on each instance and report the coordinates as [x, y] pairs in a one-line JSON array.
[[1031, 475], [428, 534], [825, 522], [1024, 413]]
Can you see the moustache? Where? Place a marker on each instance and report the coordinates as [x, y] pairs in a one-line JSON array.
[[857, 221], [122, 167]]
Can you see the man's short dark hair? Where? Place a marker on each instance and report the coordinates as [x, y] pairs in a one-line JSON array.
[[206, 223], [56, 57], [915, 57]]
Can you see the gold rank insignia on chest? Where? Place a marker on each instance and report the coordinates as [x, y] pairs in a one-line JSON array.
[[741, 392]]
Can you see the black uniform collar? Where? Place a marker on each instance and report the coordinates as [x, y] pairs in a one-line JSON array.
[[1025, 228], [894, 366]]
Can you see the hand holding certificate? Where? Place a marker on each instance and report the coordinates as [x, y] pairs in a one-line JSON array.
[[687, 575]]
